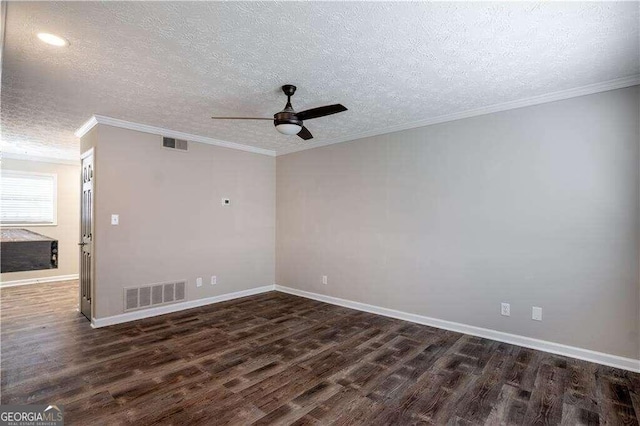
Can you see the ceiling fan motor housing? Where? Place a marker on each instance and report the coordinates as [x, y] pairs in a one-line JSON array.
[[287, 115]]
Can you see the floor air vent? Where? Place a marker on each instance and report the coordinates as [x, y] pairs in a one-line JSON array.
[[172, 143], [154, 295]]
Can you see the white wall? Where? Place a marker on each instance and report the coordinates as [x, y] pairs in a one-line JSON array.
[[536, 206], [66, 231]]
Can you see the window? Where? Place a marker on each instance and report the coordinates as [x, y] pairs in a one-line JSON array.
[[28, 198]]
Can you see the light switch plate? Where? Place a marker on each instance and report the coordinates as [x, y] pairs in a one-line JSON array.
[[225, 202], [536, 313], [115, 219], [198, 282], [505, 309], [214, 280]]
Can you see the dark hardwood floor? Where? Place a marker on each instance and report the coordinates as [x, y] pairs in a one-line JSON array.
[[281, 359]]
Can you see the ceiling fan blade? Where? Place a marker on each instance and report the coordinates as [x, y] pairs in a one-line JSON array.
[[305, 134], [242, 118], [320, 111]]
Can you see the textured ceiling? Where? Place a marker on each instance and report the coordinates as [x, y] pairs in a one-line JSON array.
[[174, 64]]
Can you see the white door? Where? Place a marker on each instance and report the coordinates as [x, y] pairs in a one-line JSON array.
[[86, 235]]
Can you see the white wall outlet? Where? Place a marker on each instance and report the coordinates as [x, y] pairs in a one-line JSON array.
[[115, 219], [536, 313], [225, 202], [198, 282], [214, 280], [324, 279], [505, 309]]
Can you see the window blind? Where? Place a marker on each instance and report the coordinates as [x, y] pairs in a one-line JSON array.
[[27, 198]]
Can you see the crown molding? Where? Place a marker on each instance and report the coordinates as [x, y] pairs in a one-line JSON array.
[[88, 125], [100, 119], [590, 89], [28, 157]]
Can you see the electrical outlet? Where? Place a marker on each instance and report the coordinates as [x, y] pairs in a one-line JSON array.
[[324, 279], [505, 309], [536, 313], [115, 219], [198, 282], [214, 280]]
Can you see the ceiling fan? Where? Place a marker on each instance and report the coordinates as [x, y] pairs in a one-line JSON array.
[[288, 121]]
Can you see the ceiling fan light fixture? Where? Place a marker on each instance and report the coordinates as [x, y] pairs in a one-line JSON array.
[[288, 128]]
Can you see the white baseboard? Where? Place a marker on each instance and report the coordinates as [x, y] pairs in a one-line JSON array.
[[514, 339], [39, 280], [167, 309], [528, 342]]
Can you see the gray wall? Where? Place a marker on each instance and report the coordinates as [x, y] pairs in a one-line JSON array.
[[172, 223], [535, 206]]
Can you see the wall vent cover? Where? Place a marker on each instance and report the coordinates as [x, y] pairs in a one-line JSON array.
[[148, 296], [172, 143]]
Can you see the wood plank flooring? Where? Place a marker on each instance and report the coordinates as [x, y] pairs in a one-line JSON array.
[[281, 359]]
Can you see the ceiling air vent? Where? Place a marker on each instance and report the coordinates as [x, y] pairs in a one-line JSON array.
[[179, 144], [153, 295]]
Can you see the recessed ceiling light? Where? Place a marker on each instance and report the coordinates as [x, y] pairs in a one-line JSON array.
[[53, 39]]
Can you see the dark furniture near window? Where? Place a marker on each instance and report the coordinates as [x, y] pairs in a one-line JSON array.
[[23, 250]]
